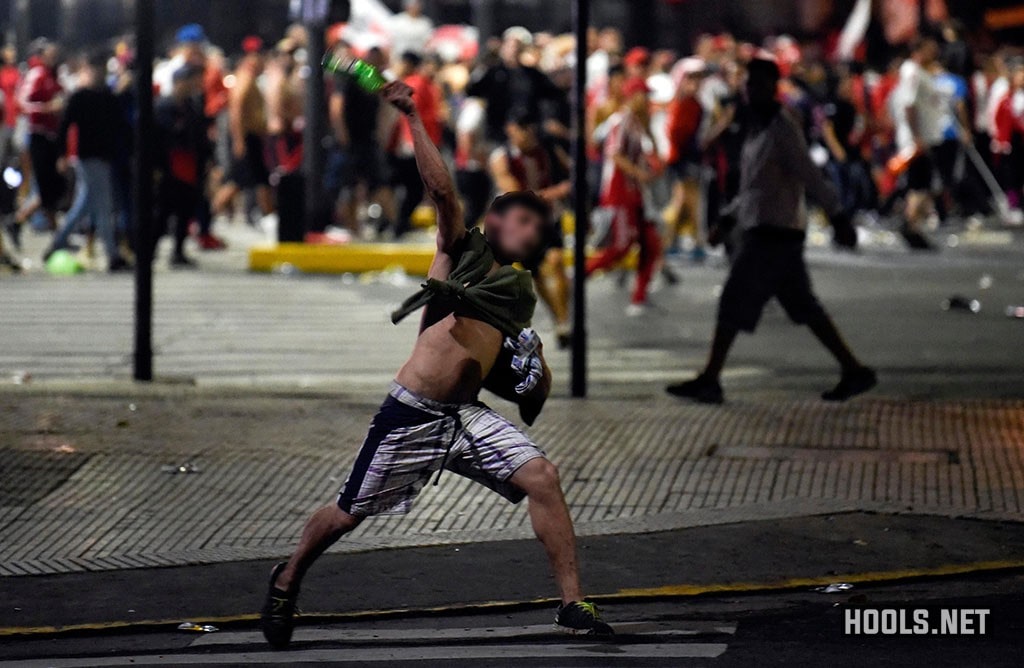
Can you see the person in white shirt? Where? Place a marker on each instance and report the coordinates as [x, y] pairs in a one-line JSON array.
[[410, 30], [918, 108]]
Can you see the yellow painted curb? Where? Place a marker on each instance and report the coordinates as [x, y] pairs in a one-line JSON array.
[[359, 258], [622, 595], [341, 259]]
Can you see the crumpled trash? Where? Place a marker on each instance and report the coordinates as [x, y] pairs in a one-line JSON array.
[[962, 304], [285, 269], [986, 281], [834, 588], [1015, 312], [183, 468], [21, 378], [197, 628]]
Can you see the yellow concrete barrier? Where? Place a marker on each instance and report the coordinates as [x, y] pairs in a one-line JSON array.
[[342, 259]]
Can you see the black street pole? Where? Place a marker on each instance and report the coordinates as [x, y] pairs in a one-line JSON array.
[[581, 204], [143, 367], [314, 131]]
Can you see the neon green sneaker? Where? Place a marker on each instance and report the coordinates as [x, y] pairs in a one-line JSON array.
[[583, 618]]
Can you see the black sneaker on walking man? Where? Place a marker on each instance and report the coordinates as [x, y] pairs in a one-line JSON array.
[[775, 170], [474, 333]]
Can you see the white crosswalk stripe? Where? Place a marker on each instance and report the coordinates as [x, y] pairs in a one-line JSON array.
[[389, 654], [666, 641], [364, 634]]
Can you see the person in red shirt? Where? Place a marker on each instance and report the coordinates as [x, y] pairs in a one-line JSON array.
[[10, 79], [685, 122], [41, 98], [429, 107], [630, 164], [530, 161]]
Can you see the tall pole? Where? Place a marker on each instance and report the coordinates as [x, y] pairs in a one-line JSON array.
[[143, 367], [581, 202], [314, 17]]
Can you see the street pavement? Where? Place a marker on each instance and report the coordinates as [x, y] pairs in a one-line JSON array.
[[266, 384]]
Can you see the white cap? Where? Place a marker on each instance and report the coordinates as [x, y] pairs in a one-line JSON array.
[[520, 34]]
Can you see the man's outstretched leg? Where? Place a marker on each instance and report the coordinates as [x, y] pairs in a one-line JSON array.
[[322, 530], [856, 378], [553, 526], [707, 387]]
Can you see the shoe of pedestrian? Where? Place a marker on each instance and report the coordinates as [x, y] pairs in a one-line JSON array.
[[851, 384], [915, 240], [9, 262], [581, 618], [563, 335], [14, 232], [183, 262], [636, 310], [119, 265], [211, 243], [701, 389], [277, 619]]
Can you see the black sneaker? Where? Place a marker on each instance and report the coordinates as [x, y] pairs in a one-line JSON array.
[[851, 384], [277, 619], [701, 389], [183, 262], [917, 241], [119, 265], [582, 618], [9, 262], [14, 232]]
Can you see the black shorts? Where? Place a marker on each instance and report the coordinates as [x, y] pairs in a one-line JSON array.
[[920, 171], [250, 171], [366, 163], [770, 263], [44, 154], [553, 237]]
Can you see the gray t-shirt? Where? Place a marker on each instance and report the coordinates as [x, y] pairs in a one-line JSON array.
[[775, 171]]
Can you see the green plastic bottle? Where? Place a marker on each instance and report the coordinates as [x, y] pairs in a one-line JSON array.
[[366, 75]]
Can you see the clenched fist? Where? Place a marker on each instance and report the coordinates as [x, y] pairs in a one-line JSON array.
[[400, 96]]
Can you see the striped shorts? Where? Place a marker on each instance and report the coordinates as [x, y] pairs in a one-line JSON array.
[[412, 437]]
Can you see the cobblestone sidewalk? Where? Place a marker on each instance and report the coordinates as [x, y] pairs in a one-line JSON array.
[[84, 481]]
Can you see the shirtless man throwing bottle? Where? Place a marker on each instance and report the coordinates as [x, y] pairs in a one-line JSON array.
[[474, 334]]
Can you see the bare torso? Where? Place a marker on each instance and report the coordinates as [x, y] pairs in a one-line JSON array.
[[451, 358], [453, 353]]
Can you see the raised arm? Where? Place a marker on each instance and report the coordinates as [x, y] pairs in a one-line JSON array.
[[438, 180]]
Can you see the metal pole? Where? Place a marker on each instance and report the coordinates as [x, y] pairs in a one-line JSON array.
[[581, 204], [314, 17], [144, 240]]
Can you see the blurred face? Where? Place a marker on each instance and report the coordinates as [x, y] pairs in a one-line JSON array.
[[49, 56], [522, 137], [615, 82], [514, 235], [638, 104], [928, 52]]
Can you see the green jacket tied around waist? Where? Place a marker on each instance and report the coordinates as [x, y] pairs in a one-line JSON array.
[[503, 299]]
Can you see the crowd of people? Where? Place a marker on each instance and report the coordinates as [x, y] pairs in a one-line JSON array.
[[916, 142]]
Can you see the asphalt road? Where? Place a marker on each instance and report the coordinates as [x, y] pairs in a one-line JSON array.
[[478, 604], [788, 629]]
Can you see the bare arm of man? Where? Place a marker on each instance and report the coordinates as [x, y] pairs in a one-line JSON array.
[[236, 113], [438, 180], [504, 180]]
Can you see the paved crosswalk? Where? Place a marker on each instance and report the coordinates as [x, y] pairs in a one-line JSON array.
[[662, 643]]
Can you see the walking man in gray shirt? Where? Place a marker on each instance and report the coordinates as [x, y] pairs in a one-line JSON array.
[[775, 173]]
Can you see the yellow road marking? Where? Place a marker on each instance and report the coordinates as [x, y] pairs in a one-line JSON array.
[[666, 591]]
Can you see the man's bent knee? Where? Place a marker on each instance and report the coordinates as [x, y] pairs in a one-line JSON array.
[[339, 521]]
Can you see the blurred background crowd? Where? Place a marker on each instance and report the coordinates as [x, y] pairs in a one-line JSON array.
[[916, 116]]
